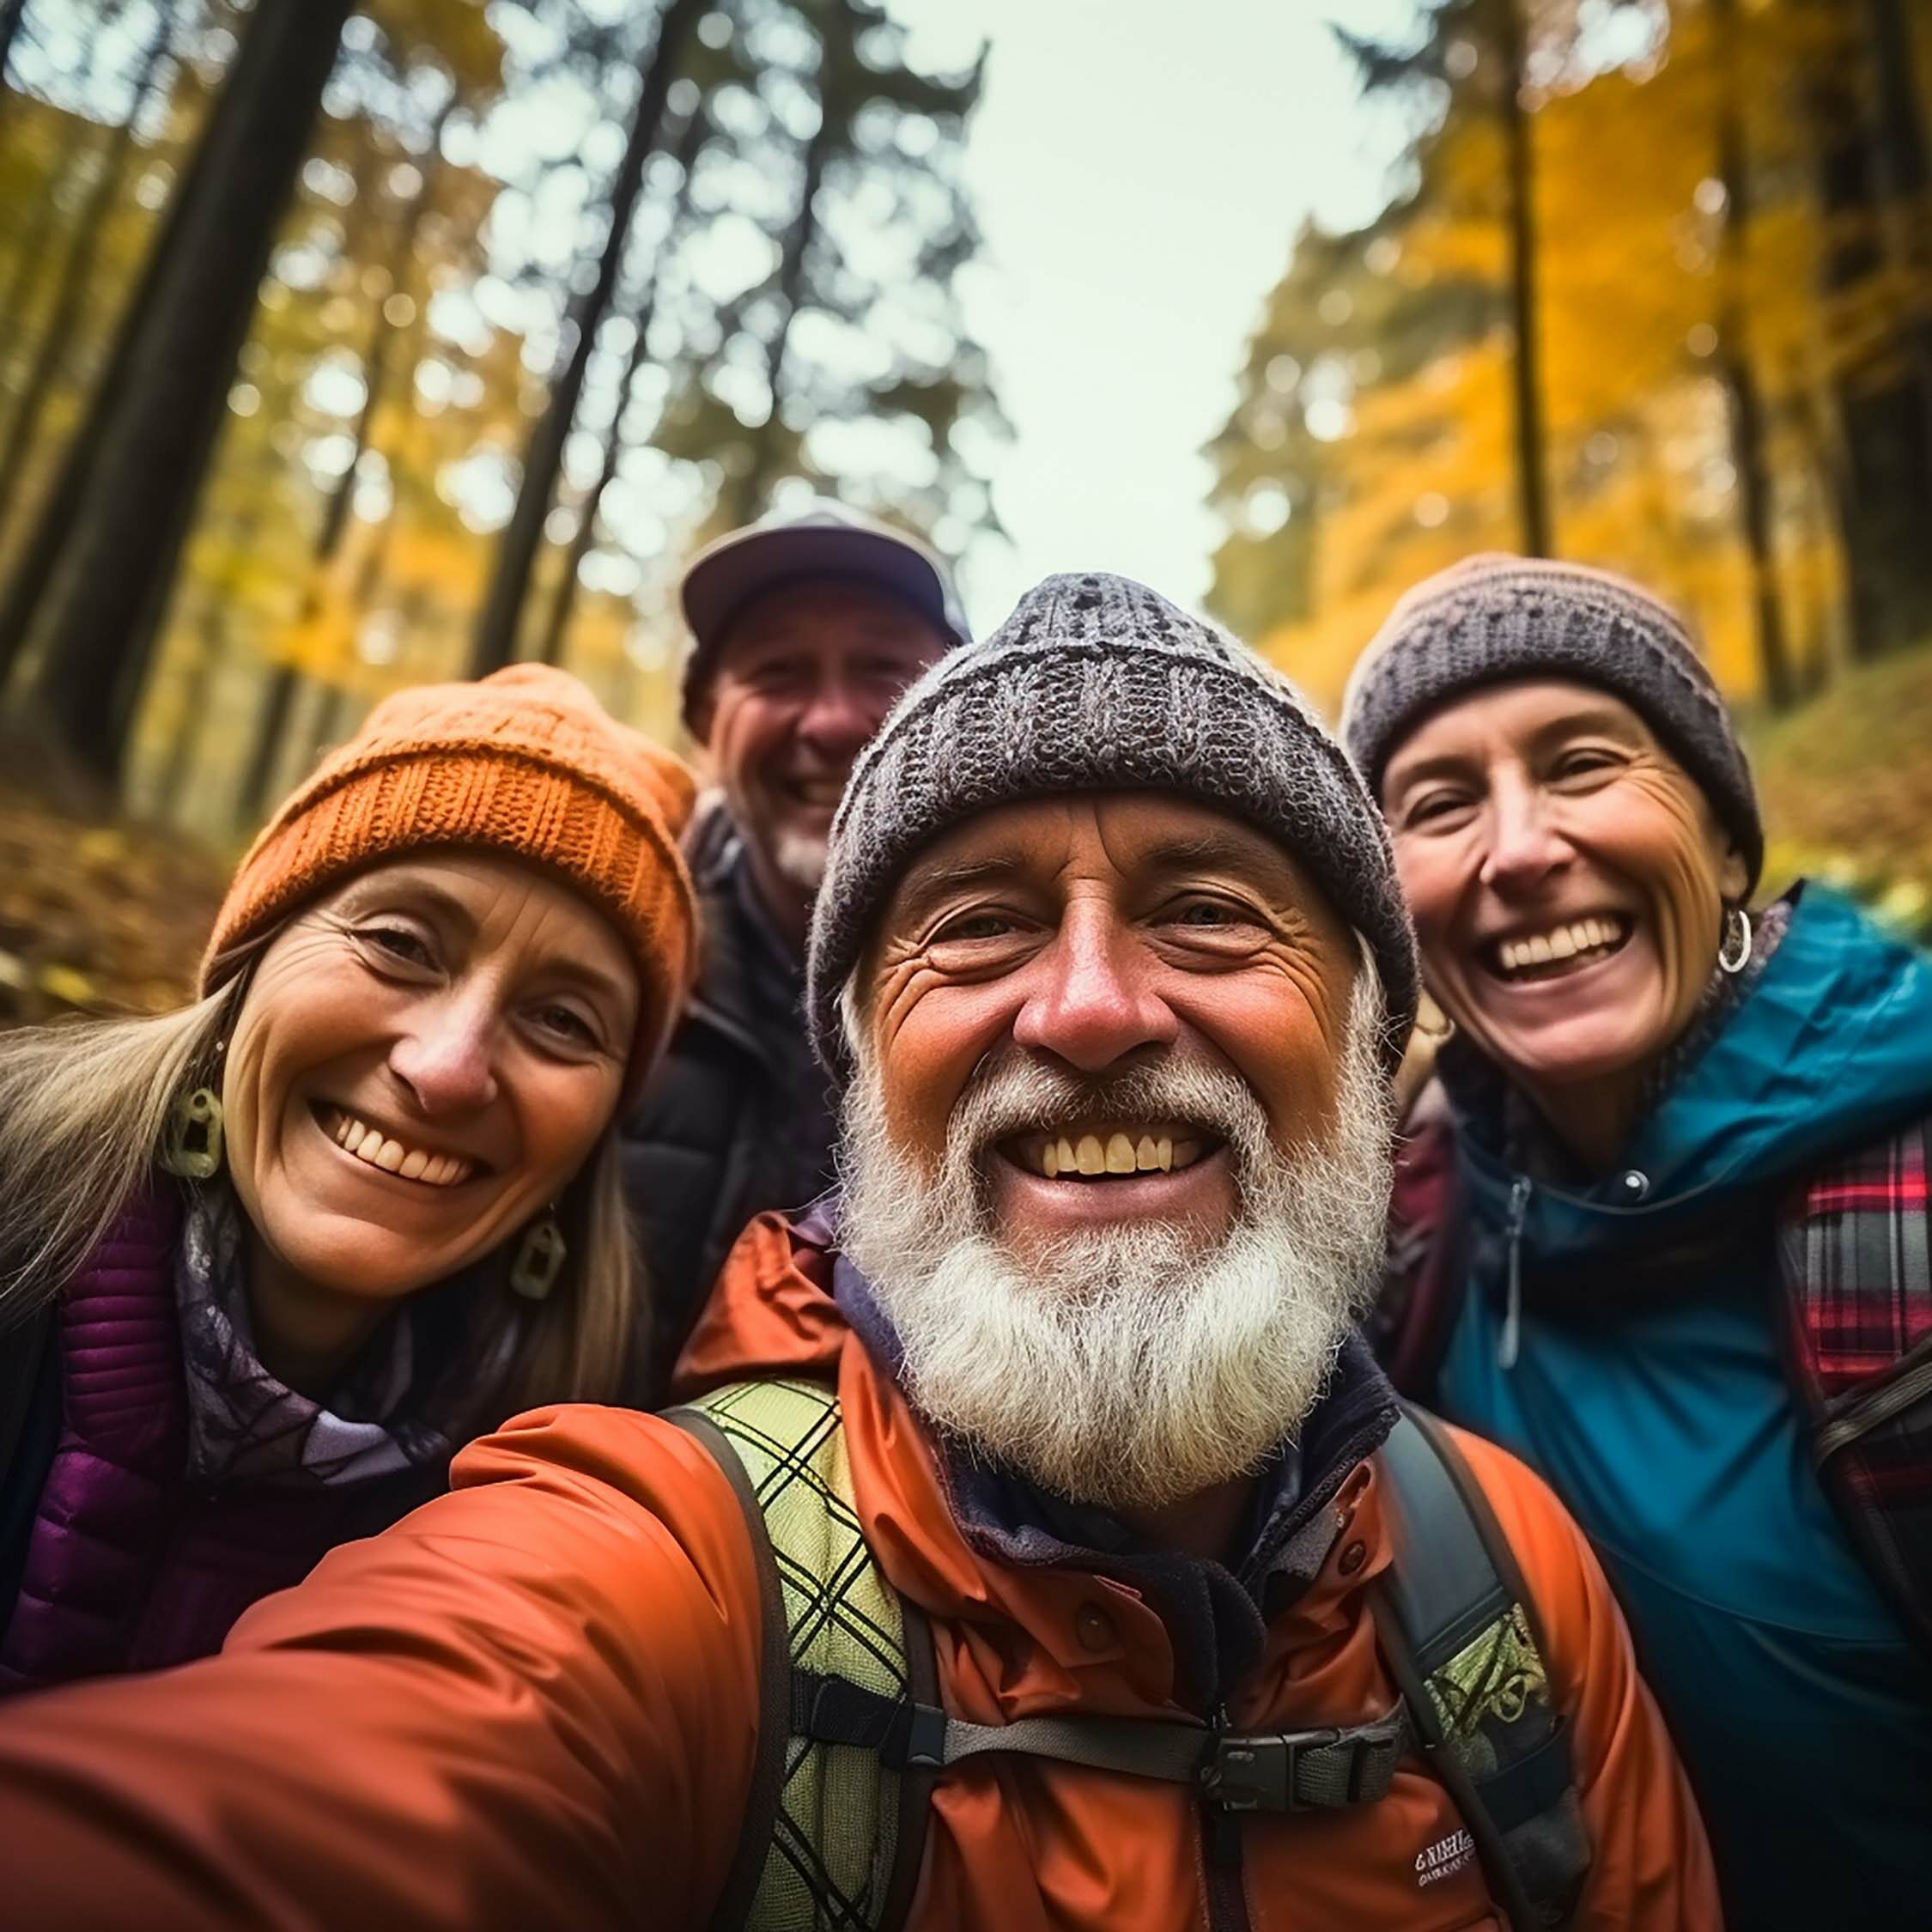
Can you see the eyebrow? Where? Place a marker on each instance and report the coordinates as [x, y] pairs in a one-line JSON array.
[[1232, 850], [1614, 723], [1228, 851], [440, 899], [925, 889]]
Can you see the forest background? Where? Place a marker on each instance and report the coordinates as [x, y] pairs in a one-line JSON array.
[[346, 345]]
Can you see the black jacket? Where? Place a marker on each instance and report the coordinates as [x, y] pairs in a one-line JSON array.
[[738, 1118]]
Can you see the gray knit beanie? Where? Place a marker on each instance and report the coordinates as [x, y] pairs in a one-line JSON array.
[[1491, 618], [1094, 684]]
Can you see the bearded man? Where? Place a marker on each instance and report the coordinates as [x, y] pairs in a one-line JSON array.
[[1044, 1550]]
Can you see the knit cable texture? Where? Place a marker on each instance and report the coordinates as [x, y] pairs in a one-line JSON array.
[[1097, 683]]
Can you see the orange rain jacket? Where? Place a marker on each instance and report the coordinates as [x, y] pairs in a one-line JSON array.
[[533, 1704]]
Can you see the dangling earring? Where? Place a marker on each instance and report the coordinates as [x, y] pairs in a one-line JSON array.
[[1734, 955], [540, 1259], [191, 1140]]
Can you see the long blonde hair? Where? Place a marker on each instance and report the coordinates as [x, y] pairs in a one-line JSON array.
[[84, 1106]]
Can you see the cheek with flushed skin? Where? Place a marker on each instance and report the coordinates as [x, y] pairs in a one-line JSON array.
[[930, 1032]]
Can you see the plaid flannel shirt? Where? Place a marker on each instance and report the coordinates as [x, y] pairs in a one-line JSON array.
[[1855, 1253]]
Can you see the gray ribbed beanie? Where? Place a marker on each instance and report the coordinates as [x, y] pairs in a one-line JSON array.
[[1094, 683], [1491, 618]]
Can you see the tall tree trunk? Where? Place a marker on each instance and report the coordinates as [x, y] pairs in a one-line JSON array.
[[516, 551], [564, 596], [1533, 502], [285, 680], [1904, 177], [77, 273], [1884, 435], [791, 290], [152, 455], [1740, 377]]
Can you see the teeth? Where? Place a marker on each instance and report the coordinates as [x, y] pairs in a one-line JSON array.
[[412, 1163], [1120, 1152], [1561, 942]]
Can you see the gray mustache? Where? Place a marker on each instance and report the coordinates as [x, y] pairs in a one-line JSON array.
[[1012, 1095]]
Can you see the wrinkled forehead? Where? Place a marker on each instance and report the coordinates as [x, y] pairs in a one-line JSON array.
[[1121, 842]]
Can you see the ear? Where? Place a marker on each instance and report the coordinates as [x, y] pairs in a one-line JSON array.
[[1734, 877]]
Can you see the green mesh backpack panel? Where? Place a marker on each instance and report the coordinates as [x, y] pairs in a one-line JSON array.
[[852, 1729], [841, 1816]]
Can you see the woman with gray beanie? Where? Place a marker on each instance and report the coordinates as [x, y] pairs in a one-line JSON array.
[[1664, 1228]]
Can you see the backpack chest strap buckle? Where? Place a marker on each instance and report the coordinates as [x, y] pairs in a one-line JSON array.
[[1302, 1770]]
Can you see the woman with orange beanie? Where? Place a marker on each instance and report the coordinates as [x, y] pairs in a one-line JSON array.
[[267, 1261]]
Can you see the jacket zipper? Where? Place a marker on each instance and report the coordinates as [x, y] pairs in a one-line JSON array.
[[1221, 1869], [1221, 1861], [1875, 1405], [1508, 1341]]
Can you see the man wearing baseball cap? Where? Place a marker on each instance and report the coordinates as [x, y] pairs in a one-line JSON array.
[[804, 629]]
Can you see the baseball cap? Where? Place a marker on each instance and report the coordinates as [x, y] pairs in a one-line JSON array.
[[828, 538]]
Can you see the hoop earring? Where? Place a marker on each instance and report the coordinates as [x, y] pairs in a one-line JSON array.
[[1438, 1034], [1733, 953], [191, 1140], [540, 1259]]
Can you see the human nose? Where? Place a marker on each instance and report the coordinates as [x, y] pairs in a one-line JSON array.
[[1525, 845], [839, 718], [1094, 999], [445, 1056]]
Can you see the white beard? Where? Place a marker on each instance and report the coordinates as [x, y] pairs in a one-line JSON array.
[[1140, 1365], [799, 857]]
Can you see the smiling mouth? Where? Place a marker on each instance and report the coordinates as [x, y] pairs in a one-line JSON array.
[[1108, 1153], [370, 1146], [1558, 951], [814, 794]]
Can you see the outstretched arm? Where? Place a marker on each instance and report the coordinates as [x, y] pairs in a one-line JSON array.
[[532, 1703]]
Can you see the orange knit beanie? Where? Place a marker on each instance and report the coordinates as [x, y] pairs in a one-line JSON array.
[[526, 763]]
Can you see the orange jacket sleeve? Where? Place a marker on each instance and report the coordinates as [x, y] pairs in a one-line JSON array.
[[1651, 1869], [532, 1704]]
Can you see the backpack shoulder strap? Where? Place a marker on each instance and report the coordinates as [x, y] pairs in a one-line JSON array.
[[1458, 1631], [833, 1829]]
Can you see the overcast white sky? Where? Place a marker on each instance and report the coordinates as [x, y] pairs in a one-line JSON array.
[[1140, 167]]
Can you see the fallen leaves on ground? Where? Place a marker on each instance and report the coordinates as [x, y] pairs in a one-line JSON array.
[[97, 918]]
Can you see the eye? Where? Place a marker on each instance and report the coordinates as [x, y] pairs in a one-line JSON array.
[[976, 926], [1583, 762], [1207, 915], [1433, 808], [398, 942], [559, 1025]]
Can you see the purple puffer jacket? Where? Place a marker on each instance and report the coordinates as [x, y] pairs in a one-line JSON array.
[[128, 1567]]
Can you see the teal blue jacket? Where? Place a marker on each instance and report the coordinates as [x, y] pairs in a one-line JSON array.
[[1648, 1384]]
